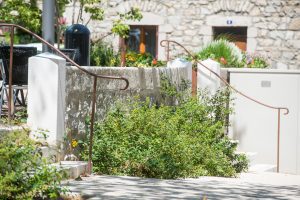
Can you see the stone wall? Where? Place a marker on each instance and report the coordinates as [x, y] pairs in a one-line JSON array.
[[273, 25], [144, 82]]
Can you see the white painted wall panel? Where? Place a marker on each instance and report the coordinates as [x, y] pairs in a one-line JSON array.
[[298, 128], [255, 126], [206, 80]]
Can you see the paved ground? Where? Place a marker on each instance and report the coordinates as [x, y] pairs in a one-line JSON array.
[[247, 186]]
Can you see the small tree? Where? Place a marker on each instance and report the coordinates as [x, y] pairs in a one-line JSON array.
[[96, 12], [26, 13]]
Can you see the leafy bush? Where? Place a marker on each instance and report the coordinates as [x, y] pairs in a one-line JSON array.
[[102, 54], [24, 13], [187, 140], [229, 55], [23, 172], [255, 61], [222, 51], [134, 59], [19, 118]]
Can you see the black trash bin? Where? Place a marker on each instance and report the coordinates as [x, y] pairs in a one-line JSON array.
[[77, 36]]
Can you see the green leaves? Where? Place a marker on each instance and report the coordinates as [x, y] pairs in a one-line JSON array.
[[23, 172], [120, 27], [102, 54], [141, 139], [229, 55], [96, 13], [24, 13], [133, 14]]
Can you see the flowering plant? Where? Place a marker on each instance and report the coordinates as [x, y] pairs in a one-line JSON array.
[[134, 59], [229, 55], [255, 61]]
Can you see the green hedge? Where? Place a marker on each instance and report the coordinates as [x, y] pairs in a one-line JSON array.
[[23, 172], [187, 140]]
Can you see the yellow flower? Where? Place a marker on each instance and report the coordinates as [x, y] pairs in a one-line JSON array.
[[74, 143], [130, 58]]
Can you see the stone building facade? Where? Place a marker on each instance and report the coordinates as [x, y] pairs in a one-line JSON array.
[[272, 26]]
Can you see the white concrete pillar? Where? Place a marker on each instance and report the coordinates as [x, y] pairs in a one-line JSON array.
[[207, 80], [178, 63], [46, 96]]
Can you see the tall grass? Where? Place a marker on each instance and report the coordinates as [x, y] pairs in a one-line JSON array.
[[223, 51]]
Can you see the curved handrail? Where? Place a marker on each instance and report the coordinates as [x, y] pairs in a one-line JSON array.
[[222, 79], [66, 57], [167, 45], [96, 76]]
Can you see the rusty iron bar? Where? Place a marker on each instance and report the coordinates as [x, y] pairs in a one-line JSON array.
[[10, 92], [168, 50], [194, 81], [278, 141], [96, 76], [90, 163], [66, 57], [123, 52], [162, 43]]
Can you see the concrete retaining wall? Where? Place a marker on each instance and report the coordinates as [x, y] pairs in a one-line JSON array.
[[255, 126], [144, 82]]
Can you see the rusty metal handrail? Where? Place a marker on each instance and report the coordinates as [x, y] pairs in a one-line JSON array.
[[166, 44], [96, 76]]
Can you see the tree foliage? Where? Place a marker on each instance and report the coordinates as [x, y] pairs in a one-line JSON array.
[[24, 13], [24, 174]]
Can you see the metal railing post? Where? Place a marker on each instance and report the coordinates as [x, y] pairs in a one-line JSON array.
[[10, 92], [96, 76], [278, 141], [237, 91], [90, 164]]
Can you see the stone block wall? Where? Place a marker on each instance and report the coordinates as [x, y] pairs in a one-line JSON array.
[[273, 25], [144, 82]]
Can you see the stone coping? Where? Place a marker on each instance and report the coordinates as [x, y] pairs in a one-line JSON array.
[[258, 70]]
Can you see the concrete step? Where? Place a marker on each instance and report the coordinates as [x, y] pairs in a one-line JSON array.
[[50, 154], [262, 168], [73, 169]]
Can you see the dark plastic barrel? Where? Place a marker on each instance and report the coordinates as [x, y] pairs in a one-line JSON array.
[[77, 36]]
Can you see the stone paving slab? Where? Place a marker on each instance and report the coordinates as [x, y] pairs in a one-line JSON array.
[[247, 186]]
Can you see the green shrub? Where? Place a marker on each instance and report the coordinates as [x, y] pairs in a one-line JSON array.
[[187, 140], [102, 54], [229, 55], [23, 172], [134, 59], [224, 52], [255, 61]]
